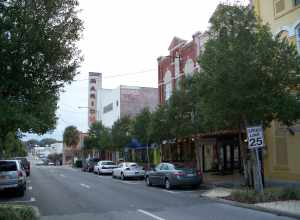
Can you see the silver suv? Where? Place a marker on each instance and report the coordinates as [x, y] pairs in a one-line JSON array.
[[12, 176]]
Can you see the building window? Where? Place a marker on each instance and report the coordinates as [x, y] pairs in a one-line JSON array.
[[93, 81], [189, 67], [92, 104], [168, 85], [93, 88], [92, 96], [279, 6], [298, 36], [108, 108]]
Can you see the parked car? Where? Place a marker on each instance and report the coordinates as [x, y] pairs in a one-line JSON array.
[[12, 176], [89, 164], [25, 163], [104, 167], [173, 175], [128, 170]]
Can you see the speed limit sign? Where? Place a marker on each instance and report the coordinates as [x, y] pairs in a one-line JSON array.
[[255, 137]]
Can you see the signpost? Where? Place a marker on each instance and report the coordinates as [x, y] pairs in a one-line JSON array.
[[256, 141]]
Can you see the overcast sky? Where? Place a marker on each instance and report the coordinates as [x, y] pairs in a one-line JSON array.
[[123, 37]]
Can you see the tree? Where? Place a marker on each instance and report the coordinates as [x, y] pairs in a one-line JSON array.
[[247, 77], [13, 147], [39, 55], [183, 117], [48, 141], [71, 136], [160, 124], [141, 126], [99, 137], [121, 132]]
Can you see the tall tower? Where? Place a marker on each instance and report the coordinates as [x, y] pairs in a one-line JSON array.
[[95, 84]]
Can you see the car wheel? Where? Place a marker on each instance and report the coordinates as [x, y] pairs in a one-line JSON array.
[[148, 181], [122, 176], [168, 184]]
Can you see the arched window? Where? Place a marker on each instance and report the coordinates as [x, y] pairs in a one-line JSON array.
[[298, 37], [92, 96], [93, 88], [168, 84], [189, 67]]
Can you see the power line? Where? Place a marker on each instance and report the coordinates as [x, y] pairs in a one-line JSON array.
[[120, 75]]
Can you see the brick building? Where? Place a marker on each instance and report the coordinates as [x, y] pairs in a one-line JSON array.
[[181, 61]]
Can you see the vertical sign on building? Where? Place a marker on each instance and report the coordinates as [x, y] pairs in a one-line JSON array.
[[95, 83]]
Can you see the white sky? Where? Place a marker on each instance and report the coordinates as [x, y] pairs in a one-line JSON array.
[[127, 37]]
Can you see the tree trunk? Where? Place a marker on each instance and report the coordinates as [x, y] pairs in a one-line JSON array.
[[244, 156]]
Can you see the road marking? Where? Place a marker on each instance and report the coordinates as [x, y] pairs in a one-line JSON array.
[[85, 186], [130, 183], [150, 214], [62, 175], [29, 187], [168, 191]]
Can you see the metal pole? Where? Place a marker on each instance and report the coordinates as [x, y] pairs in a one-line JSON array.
[[148, 156], [258, 169]]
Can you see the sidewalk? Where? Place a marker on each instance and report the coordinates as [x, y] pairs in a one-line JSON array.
[[285, 208]]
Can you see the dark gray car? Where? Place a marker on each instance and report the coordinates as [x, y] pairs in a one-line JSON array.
[[172, 175], [12, 176]]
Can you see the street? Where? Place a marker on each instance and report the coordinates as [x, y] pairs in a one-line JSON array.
[[66, 193]]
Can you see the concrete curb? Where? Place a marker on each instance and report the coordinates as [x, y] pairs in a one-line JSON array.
[[253, 207]]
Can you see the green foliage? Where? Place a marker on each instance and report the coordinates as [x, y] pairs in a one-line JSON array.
[[141, 129], [99, 137], [39, 54], [269, 195], [47, 141], [71, 136], [13, 147], [246, 75], [17, 212], [121, 132], [182, 112], [160, 124]]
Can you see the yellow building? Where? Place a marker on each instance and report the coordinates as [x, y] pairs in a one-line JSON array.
[[282, 157]]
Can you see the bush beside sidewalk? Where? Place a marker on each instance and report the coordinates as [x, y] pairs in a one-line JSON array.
[[279, 201], [18, 212]]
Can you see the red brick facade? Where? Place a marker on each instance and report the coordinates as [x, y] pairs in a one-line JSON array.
[[182, 56]]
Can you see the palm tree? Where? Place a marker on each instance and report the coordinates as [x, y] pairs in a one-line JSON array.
[[71, 136]]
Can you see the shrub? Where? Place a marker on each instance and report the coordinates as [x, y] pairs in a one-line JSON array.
[[11, 212], [269, 195]]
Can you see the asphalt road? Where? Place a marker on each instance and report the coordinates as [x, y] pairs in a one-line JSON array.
[[69, 194]]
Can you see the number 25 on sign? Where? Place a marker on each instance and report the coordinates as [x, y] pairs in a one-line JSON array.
[[255, 137]]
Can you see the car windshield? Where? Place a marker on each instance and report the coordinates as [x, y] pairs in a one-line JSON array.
[[108, 163], [8, 166]]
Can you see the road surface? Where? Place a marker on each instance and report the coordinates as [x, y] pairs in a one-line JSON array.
[[63, 193]]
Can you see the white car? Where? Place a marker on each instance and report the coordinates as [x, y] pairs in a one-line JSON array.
[[128, 170], [104, 167]]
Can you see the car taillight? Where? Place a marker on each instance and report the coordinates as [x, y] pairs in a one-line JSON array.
[[20, 174], [199, 172]]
